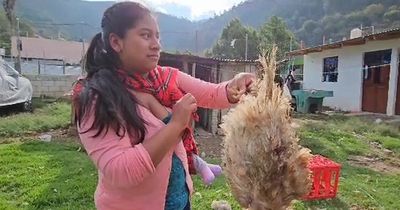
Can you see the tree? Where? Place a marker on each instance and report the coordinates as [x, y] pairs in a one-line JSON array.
[[309, 25], [374, 11], [392, 15], [232, 43], [275, 32], [8, 6], [5, 32]]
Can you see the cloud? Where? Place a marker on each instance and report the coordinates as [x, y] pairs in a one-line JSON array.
[[161, 9], [198, 8]]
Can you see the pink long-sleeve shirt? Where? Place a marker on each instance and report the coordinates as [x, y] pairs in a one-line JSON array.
[[128, 180]]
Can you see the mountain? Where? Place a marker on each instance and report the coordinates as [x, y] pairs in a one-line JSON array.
[[310, 20], [5, 31], [76, 20]]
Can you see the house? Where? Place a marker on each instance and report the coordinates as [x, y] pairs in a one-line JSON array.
[[48, 56], [49, 49], [362, 72]]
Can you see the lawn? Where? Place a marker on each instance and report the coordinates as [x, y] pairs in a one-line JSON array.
[[48, 114], [58, 175]]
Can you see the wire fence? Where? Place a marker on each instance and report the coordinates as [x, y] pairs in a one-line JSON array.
[[45, 67]]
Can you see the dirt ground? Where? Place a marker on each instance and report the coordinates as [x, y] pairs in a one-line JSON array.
[[375, 164], [210, 146], [381, 160]]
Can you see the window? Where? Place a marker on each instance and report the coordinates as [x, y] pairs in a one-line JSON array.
[[330, 71], [378, 58], [374, 63]]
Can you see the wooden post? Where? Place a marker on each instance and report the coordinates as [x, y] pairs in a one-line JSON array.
[[194, 70], [63, 67], [185, 66], [38, 63]]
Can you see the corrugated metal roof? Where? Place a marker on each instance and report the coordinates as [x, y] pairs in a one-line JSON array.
[[40, 48], [234, 60], [216, 59], [382, 35]]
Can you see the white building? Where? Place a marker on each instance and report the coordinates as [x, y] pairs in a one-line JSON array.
[[362, 72]]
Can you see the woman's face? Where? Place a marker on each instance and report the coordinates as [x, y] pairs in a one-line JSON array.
[[139, 50]]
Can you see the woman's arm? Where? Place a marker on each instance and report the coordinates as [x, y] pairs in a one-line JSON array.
[[216, 96], [208, 95], [120, 165], [126, 166]]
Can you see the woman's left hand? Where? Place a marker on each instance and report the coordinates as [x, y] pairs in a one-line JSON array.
[[239, 85]]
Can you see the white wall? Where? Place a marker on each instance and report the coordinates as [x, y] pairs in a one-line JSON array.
[[347, 90], [393, 83]]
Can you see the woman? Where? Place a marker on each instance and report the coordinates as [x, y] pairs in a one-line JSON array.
[[141, 160], [290, 79]]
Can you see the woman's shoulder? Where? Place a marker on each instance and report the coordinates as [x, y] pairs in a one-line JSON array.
[[168, 73], [166, 69]]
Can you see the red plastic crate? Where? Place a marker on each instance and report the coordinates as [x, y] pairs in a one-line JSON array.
[[325, 174]]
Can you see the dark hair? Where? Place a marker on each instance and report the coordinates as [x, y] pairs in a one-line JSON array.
[[113, 105]]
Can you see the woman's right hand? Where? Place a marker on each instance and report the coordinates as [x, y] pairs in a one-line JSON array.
[[183, 109]]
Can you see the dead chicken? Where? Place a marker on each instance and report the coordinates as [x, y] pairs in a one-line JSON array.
[[265, 166]]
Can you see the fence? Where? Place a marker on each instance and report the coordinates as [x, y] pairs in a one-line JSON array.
[[45, 67], [53, 78]]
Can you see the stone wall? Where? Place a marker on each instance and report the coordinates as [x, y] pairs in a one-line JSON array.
[[51, 85]]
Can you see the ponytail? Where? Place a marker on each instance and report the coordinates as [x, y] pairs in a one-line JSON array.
[[103, 95]]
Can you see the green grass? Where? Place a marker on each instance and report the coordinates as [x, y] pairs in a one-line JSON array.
[[334, 144], [388, 142], [46, 116], [351, 128], [39, 175], [337, 137], [204, 195]]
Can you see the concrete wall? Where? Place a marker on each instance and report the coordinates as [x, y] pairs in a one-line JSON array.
[[227, 72], [348, 89], [50, 85]]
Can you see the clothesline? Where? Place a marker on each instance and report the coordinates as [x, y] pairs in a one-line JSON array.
[[284, 75]]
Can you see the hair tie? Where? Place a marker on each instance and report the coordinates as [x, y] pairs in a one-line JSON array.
[[103, 43]]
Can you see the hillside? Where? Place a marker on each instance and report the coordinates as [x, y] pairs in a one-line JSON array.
[[5, 31], [310, 20]]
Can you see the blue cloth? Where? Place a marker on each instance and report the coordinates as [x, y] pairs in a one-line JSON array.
[[167, 118], [177, 191], [187, 207]]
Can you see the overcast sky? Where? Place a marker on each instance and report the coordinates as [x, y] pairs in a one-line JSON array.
[[191, 9]]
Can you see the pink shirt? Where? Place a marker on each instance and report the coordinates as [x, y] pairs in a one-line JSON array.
[[128, 180]]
